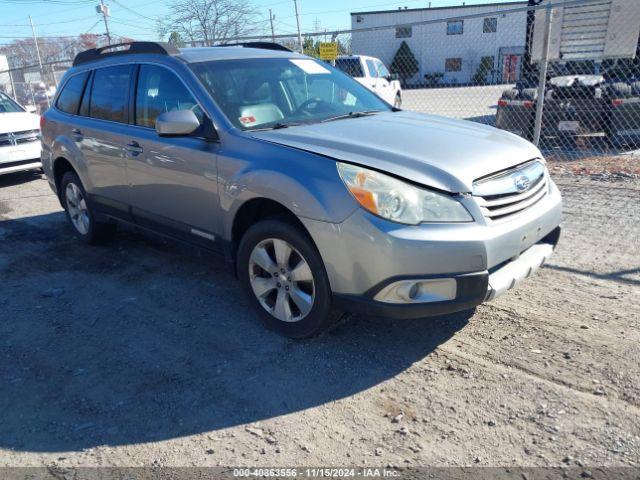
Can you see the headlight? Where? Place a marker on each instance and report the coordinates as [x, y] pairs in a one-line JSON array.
[[399, 201]]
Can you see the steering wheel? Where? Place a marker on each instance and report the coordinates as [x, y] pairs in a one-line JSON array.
[[304, 106]]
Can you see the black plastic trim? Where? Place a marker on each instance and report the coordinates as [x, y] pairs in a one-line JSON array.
[[260, 45], [160, 48], [471, 291]]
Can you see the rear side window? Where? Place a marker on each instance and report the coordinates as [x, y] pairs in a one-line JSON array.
[[159, 91], [350, 66], [69, 98], [109, 93]]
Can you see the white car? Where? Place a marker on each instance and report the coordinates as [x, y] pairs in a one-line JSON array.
[[19, 137], [373, 74]]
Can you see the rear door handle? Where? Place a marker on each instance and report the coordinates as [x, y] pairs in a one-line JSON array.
[[134, 149]]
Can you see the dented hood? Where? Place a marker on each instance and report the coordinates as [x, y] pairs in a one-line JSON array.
[[435, 151]]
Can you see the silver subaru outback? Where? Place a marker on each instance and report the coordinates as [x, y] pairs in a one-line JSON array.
[[323, 197]]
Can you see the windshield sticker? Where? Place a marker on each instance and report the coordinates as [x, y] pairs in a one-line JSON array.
[[309, 66], [248, 120]]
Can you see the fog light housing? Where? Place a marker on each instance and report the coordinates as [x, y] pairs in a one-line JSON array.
[[418, 291]]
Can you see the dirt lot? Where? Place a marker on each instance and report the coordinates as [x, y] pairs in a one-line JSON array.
[[142, 353]]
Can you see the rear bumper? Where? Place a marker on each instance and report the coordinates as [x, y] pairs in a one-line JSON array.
[[472, 288]]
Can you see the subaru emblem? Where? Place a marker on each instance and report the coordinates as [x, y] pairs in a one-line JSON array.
[[521, 182]]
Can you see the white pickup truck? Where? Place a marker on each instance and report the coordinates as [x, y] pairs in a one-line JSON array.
[[373, 74]]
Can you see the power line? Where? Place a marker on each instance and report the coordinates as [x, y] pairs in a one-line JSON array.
[[46, 24], [133, 11]]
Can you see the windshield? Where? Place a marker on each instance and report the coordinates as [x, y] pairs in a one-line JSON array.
[[8, 106], [259, 93]]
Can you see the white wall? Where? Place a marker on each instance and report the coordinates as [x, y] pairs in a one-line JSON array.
[[430, 43], [5, 81]]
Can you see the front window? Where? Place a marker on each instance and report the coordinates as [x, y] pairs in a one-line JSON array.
[[159, 91], [7, 105], [382, 70], [277, 92]]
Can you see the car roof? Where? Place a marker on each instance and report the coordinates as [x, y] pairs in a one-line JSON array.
[[355, 57], [204, 54], [164, 52]]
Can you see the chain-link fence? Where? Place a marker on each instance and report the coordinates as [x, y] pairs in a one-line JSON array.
[[550, 73], [488, 64], [33, 86]]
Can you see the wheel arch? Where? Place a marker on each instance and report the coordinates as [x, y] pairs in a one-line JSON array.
[[61, 165], [255, 210]]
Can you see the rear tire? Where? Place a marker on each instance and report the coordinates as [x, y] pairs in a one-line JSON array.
[[80, 212], [283, 274]]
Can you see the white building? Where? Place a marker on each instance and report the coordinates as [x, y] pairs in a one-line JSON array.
[[5, 81], [446, 44]]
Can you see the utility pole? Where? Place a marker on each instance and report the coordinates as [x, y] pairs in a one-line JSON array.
[[542, 78], [104, 10], [273, 32], [295, 3], [35, 40], [528, 70]]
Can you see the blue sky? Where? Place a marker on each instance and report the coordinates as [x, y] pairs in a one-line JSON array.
[[136, 18]]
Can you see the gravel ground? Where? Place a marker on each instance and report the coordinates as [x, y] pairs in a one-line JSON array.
[[471, 103], [143, 353]]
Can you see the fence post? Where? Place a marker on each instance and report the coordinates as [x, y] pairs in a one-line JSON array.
[[542, 79], [13, 87]]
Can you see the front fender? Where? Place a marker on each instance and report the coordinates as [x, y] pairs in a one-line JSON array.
[[307, 184]]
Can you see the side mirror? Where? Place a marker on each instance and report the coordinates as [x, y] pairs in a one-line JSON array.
[[393, 76], [177, 122], [30, 108]]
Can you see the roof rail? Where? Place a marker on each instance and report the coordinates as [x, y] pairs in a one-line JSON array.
[[126, 48], [261, 45]]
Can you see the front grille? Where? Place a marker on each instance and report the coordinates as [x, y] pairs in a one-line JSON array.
[[500, 197], [19, 138]]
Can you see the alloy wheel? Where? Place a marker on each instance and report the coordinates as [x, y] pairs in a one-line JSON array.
[[281, 280], [77, 208]]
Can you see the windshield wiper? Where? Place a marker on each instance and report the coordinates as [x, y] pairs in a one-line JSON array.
[[365, 113], [276, 126]]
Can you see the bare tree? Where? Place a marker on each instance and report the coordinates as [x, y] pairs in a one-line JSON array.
[[208, 21]]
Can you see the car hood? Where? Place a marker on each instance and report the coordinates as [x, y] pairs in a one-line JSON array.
[[18, 122], [436, 151]]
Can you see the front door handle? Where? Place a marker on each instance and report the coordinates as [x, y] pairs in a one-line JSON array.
[[134, 149]]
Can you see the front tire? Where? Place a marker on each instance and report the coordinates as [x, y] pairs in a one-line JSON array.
[[80, 213], [397, 103], [282, 272]]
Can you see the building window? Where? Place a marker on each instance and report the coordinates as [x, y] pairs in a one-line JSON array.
[[403, 32], [490, 25], [455, 27], [453, 65]]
